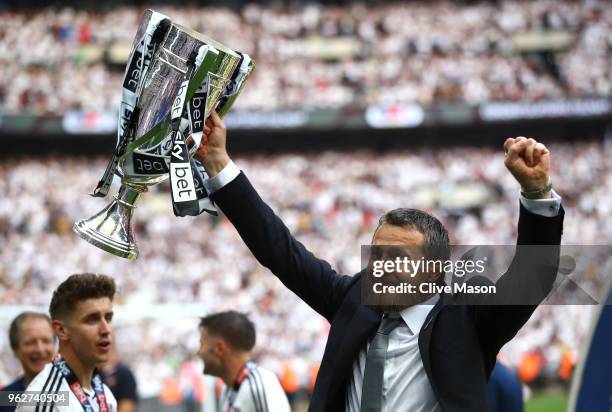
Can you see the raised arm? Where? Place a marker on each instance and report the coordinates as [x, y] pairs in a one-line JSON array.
[[531, 275], [270, 241]]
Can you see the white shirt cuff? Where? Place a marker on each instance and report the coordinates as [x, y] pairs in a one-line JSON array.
[[543, 207], [225, 176]]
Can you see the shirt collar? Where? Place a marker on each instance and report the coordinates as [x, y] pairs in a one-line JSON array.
[[415, 315]]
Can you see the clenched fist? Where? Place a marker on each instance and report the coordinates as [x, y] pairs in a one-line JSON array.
[[529, 163]]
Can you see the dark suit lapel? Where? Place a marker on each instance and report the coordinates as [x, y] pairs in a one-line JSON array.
[[425, 342], [363, 324]]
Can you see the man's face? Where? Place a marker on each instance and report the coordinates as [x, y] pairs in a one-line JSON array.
[[211, 350], [35, 347], [397, 242], [89, 331]]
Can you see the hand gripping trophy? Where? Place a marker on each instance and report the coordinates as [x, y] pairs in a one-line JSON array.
[[175, 78]]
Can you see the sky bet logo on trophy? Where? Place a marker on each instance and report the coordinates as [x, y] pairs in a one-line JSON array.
[[174, 79]]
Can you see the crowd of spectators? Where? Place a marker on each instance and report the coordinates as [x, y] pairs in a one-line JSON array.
[[332, 210], [314, 56]]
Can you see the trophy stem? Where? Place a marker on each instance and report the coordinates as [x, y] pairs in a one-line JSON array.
[[111, 228]]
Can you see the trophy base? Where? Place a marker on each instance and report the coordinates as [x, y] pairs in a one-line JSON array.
[[111, 228], [119, 248]]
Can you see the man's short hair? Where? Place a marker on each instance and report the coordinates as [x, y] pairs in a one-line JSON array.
[[78, 288], [234, 327], [436, 244], [15, 327]]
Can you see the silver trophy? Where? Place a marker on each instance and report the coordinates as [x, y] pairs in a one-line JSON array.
[[174, 79]]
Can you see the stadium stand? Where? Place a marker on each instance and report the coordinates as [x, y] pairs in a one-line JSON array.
[[331, 209], [326, 56]]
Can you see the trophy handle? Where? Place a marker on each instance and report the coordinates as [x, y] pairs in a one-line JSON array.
[[111, 229]]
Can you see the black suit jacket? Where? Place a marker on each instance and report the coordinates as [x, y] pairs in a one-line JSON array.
[[458, 343], [18, 385]]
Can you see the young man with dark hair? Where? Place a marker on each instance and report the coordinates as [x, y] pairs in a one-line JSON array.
[[226, 345], [81, 314], [31, 339]]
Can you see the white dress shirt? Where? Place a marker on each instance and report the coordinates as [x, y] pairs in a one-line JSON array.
[[225, 176], [405, 383], [406, 386]]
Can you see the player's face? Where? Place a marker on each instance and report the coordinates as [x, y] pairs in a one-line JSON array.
[[89, 330], [35, 348], [208, 352]]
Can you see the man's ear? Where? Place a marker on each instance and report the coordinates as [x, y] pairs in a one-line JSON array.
[[60, 330], [434, 277], [437, 277], [221, 347]]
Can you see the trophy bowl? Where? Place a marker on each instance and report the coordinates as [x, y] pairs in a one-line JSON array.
[[174, 79]]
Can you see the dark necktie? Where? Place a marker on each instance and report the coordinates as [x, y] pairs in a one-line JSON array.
[[371, 390]]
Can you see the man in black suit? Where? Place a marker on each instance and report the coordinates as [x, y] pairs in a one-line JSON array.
[[435, 356]]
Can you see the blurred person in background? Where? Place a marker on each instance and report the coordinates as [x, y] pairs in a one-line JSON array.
[[290, 381], [81, 312], [121, 381], [31, 339], [227, 340], [505, 390]]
